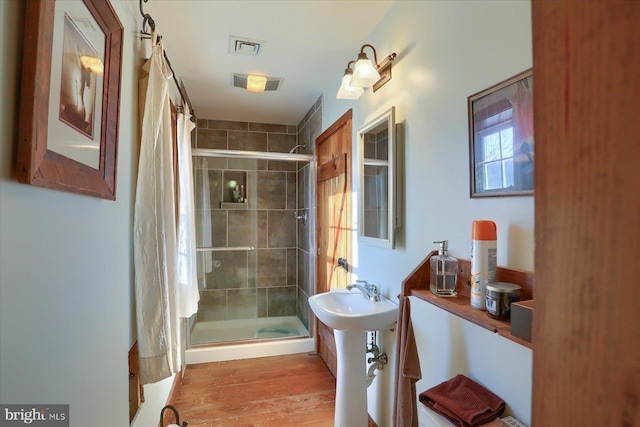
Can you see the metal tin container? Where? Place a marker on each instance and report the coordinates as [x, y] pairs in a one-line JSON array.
[[500, 295]]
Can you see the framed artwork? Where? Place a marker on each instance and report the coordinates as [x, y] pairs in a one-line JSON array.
[[501, 143], [69, 110]]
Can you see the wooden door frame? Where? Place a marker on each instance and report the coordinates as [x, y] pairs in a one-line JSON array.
[[344, 120], [586, 340], [325, 342]]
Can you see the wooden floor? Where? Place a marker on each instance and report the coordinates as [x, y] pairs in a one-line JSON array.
[[291, 390]]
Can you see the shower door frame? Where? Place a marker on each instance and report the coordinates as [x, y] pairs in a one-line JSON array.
[[309, 159]]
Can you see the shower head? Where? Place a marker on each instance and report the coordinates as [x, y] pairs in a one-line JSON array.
[[296, 147]]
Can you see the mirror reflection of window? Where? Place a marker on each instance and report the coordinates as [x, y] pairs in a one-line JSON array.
[[503, 138], [496, 157]]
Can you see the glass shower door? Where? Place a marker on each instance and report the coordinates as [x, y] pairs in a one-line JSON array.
[[252, 268], [227, 234]]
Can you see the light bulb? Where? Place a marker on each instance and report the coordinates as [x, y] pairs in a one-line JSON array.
[[256, 83], [364, 74], [347, 91]]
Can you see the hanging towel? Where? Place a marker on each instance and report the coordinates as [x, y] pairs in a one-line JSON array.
[[405, 407], [463, 401]]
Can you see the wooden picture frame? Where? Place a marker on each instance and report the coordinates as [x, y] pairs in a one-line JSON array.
[[70, 99], [501, 142]]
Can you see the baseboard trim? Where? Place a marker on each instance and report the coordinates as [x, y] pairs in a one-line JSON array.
[[175, 388]]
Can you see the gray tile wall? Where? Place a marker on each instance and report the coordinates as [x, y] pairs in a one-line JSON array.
[[309, 128], [264, 281]]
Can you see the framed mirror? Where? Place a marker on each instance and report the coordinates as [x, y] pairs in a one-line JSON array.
[[377, 176], [501, 144]]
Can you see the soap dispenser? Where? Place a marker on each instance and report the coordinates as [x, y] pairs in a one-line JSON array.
[[444, 272]]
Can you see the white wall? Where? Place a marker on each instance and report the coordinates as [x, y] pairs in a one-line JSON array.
[[66, 270], [447, 50]]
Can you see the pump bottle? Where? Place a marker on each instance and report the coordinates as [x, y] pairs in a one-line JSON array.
[[444, 272]]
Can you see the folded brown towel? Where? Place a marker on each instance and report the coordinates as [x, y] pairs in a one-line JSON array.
[[463, 401]]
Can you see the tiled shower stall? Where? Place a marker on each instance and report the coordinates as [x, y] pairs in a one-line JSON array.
[[254, 261]]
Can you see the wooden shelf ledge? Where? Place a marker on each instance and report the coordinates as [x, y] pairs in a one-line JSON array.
[[417, 285]]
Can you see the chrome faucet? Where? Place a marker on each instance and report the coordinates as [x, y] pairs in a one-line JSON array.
[[368, 290]]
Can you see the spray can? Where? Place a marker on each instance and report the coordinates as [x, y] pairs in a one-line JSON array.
[[484, 252]]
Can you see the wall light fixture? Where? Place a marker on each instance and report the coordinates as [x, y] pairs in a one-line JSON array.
[[347, 91], [365, 74]]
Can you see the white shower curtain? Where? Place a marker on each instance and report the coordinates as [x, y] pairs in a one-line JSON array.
[[188, 294], [155, 246]]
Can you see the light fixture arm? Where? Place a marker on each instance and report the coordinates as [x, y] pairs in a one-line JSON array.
[[363, 55], [348, 70]]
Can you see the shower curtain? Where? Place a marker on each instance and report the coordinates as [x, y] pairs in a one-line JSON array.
[[155, 246], [188, 294]]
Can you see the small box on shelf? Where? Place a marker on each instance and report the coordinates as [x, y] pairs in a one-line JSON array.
[[521, 316]]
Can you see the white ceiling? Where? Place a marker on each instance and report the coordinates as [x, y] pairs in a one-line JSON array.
[[308, 44]]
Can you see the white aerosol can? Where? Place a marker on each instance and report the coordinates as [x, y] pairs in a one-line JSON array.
[[484, 252]]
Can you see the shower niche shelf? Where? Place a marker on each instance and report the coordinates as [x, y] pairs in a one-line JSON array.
[[234, 205], [235, 186]]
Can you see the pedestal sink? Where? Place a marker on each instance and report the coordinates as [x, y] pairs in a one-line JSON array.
[[351, 315]]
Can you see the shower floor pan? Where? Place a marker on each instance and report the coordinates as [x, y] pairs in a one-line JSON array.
[[248, 338], [263, 328]]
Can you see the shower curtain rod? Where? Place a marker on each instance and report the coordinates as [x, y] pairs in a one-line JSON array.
[[147, 19]]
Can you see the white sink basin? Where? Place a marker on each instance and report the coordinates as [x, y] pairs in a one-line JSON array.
[[351, 314], [351, 310]]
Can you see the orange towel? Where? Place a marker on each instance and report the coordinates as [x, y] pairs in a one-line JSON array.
[[463, 401], [405, 409]]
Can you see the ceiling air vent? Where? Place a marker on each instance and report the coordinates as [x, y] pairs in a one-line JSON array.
[[245, 46], [240, 80]]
